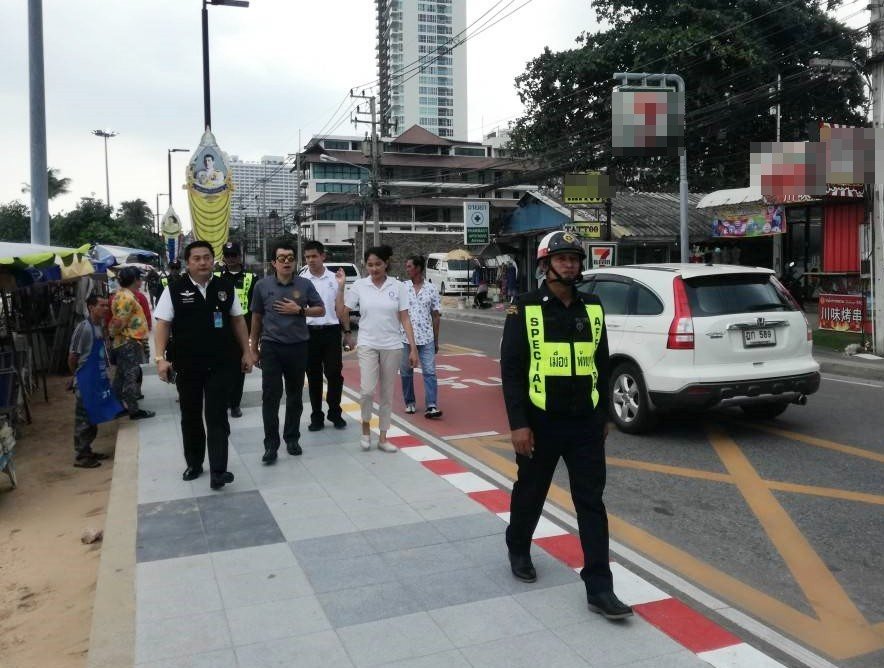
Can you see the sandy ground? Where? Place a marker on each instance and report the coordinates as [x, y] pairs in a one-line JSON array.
[[47, 576]]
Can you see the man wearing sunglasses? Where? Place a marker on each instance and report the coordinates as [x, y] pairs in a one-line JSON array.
[[280, 306]]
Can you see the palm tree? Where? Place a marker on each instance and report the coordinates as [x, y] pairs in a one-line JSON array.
[[57, 186]]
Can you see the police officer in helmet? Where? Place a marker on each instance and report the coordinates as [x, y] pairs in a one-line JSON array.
[[554, 366]]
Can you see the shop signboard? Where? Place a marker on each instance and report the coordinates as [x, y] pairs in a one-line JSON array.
[[749, 221], [586, 229], [841, 313], [602, 255], [586, 188], [476, 227]]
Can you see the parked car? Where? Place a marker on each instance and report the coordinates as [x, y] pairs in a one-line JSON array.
[[694, 336], [351, 273], [450, 276]]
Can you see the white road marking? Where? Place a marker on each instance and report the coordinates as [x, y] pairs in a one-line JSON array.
[[477, 434], [854, 382]]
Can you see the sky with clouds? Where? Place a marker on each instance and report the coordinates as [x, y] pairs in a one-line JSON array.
[[280, 66]]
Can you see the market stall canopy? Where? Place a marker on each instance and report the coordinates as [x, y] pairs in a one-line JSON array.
[[71, 262], [122, 254], [731, 197], [459, 254]]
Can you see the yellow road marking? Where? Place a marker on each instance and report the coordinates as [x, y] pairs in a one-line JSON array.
[[841, 638], [820, 587], [818, 442], [810, 490], [451, 349]]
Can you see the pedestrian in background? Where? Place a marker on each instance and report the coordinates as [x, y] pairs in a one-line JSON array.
[[128, 327], [382, 303], [95, 401], [324, 351], [243, 283], [280, 340], [424, 312], [555, 370], [210, 345]]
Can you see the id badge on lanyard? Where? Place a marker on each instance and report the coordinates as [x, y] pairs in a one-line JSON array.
[[219, 322]]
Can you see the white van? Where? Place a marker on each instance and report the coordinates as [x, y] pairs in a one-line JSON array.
[[449, 276]]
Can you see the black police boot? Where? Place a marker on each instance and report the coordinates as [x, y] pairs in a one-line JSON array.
[[522, 567], [218, 481], [608, 605], [269, 455]]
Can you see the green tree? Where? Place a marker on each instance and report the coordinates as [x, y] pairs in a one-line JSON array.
[[57, 186], [15, 222], [92, 221], [729, 54]]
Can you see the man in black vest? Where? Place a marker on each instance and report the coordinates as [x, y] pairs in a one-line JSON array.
[[554, 367], [243, 282], [211, 345]]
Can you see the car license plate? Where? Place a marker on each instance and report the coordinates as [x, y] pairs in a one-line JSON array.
[[759, 337]]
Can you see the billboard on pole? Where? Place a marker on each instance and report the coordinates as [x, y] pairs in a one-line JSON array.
[[647, 122], [476, 223]]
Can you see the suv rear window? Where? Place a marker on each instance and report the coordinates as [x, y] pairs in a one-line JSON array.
[[458, 265], [349, 269], [734, 293]]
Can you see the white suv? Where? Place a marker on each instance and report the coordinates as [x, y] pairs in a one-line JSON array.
[[696, 336]]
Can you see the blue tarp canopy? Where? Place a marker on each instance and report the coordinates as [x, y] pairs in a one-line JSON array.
[[111, 255]]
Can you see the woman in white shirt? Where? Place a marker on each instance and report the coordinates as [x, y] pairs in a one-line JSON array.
[[382, 302]]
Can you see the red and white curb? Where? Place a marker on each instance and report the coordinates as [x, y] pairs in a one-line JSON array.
[[692, 630]]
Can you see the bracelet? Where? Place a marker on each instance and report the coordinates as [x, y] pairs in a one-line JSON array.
[[346, 331], [159, 359]]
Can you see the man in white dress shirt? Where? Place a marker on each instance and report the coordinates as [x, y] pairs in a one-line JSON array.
[[324, 351]]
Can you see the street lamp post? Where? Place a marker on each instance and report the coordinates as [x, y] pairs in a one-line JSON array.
[[207, 107], [158, 209], [169, 153], [106, 134]]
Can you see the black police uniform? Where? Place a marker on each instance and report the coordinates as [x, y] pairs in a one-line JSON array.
[[206, 356], [238, 280], [570, 427]]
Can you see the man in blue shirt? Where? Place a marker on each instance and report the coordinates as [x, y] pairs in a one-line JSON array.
[[280, 339]]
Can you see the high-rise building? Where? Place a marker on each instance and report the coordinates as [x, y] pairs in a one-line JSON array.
[[422, 71], [262, 187]]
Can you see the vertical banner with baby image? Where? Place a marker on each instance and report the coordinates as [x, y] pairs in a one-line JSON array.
[[209, 188]]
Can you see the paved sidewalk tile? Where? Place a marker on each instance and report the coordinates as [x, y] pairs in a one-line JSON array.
[[341, 558]]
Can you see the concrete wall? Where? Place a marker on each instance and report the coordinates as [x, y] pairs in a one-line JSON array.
[[404, 245]]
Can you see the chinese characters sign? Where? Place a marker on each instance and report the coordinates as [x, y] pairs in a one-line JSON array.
[[842, 313]]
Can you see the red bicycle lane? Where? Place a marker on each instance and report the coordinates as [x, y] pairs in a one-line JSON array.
[[470, 395]]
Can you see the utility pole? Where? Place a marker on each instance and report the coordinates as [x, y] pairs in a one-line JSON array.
[[37, 94], [375, 155], [298, 202], [876, 61], [264, 221]]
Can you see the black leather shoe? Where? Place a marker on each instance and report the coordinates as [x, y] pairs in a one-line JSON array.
[[315, 426], [269, 456], [141, 414], [218, 481], [608, 605], [192, 473], [293, 449], [522, 567], [236, 412], [338, 422]]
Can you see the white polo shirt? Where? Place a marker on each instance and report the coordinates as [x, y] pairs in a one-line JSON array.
[[327, 287], [379, 310], [165, 309]]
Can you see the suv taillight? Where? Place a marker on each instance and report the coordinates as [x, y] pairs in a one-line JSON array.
[[681, 331], [785, 294]]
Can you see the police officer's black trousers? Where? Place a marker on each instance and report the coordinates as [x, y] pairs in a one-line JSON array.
[[325, 356], [238, 380], [579, 442], [209, 384], [278, 361]]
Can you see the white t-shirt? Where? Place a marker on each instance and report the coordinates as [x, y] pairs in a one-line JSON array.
[[327, 287], [165, 309], [379, 310]]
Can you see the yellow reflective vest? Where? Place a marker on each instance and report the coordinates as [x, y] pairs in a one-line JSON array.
[[560, 358], [242, 293]]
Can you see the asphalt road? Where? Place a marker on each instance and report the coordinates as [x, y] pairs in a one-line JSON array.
[[781, 519]]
